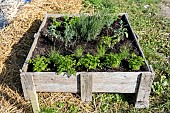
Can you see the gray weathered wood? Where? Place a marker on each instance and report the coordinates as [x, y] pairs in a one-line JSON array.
[[144, 89], [86, 87], [24, 85], [30, 88], [118, 82]]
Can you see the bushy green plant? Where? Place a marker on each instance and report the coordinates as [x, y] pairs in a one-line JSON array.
[[124, 52], [40, 63], [112, 60], [69, 32], [118, 34], [106, 40], [89, 62], [110, 41], [73, 21], [63, 63], [101, 50], [90, 26], [135, 62], [55, 23], [121, 31]]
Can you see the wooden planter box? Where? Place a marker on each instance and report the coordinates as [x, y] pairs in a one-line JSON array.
[[86, 83]]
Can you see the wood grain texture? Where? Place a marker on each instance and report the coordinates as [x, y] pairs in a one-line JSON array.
[[86, 87], [30, 88], [144, 89], [24, 85], [118, 82]]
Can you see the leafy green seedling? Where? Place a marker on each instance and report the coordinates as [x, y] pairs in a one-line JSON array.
[[66, 18], [55, 23], [40, 63], [89, 62], [79, 52], [73, 21], [63, 63], [107, 41], [124, 52], [101, 50], [112, 60], [135, 62]]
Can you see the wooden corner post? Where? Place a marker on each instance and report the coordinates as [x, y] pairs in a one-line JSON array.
[[30, 91], [86, 87], [144, 89]]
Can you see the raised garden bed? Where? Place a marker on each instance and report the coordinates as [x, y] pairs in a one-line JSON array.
[[121, 68]]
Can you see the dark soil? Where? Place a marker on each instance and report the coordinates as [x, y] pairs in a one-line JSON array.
[[45, 45]]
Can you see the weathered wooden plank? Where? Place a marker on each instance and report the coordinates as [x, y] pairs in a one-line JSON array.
[[55, 87], [144, 89], [30, 88], [23, 83], [97, 76], [119, 82], [86, 87]]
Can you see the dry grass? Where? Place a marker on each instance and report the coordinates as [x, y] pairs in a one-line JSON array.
[[15, 42]]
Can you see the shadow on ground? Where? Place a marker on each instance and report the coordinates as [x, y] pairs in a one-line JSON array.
[[10, 76]]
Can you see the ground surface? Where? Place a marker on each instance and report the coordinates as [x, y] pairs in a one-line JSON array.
[[17, 38], [165, 6]]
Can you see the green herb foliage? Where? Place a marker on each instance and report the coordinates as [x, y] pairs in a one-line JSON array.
[[135, 62], [89, 62], [90, 26], [63, 63], [106, 40], [112, 60], [69, 32], [121, 31], [79, 52], [101, 50], [40, 63], [124, 52]]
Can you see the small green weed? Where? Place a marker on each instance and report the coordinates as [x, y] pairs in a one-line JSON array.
[[160, 87], [49, 110], [73, 109]]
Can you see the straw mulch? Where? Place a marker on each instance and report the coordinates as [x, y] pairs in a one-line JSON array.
[[15, 42]]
